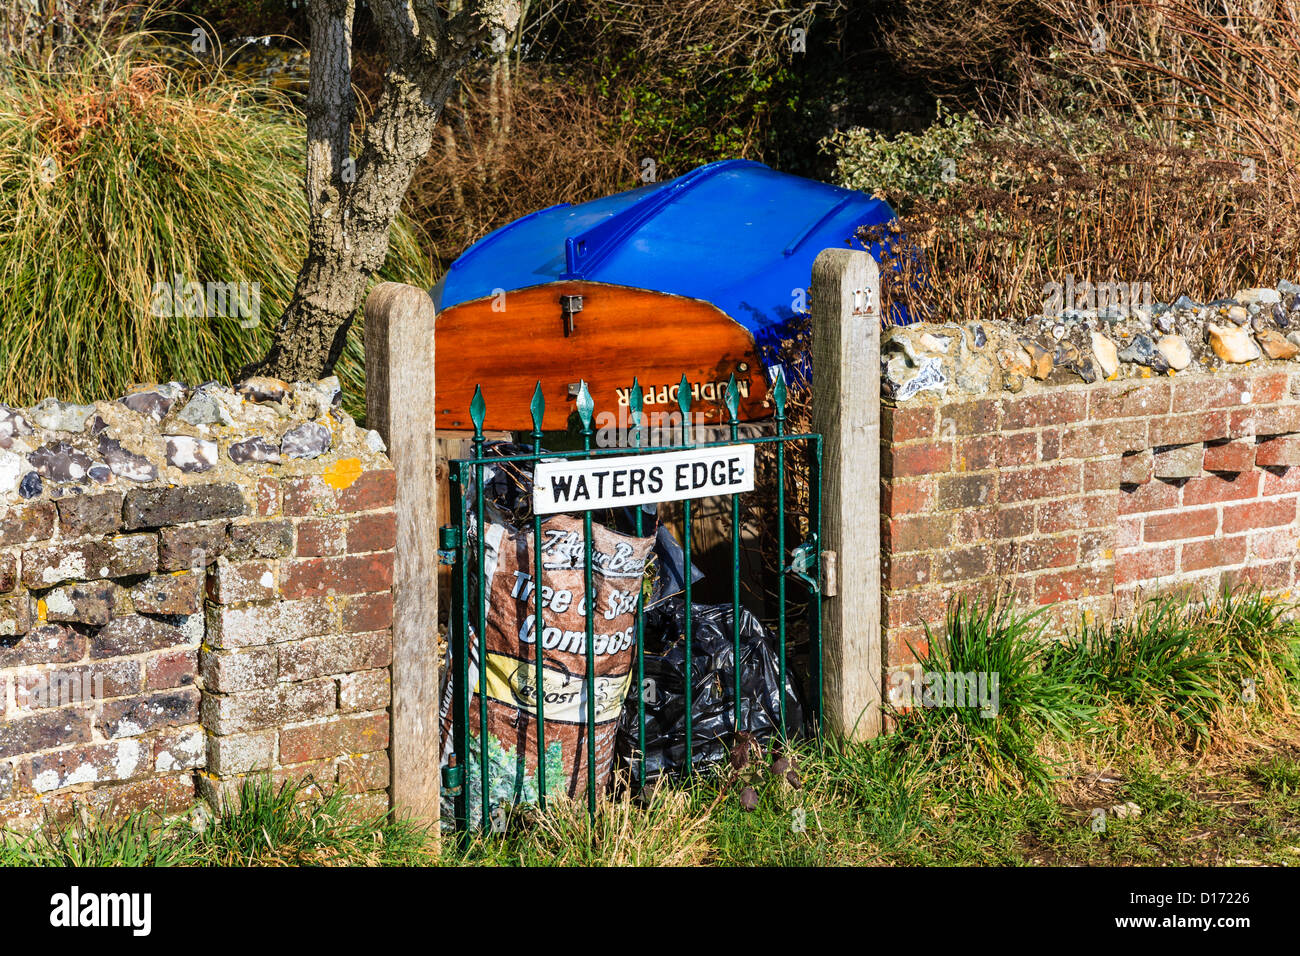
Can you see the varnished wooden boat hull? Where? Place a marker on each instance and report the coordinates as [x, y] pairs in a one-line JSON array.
[[510, 342]]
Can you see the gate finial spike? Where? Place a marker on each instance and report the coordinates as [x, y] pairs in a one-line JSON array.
[[779, 392], [538, 408], [478, 411], [733, 397], [636, 400], [586, 407], [684, 396]]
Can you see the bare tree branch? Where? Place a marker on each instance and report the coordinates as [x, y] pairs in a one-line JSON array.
[[350, 222], [330, 103]]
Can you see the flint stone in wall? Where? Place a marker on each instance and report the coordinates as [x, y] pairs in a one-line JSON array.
[[126, 464], [156, 402], [191, 455], [13, 424], [31, 486], [254, 451], [12, 469], [59, 416], [61, 462], [308, 440], [263, 391], [204, 409]]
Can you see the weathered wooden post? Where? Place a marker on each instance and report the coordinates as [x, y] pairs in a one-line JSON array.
[[400, 406], [845, 298]]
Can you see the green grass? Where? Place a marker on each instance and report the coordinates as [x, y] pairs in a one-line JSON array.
[[1279, 775], [137, 840], [1187, 675], [1158, 663], [1262, 642], [862, 808], [266, 826], [1033, 700], [1146, 712], [122, 172], [1126, 713]]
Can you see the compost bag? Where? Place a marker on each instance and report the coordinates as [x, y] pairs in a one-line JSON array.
[[712, 677], [502, 665]]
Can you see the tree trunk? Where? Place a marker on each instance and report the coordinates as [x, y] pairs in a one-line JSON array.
[[352, 204]]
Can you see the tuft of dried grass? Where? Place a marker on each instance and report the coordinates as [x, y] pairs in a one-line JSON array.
[[663, 826], [1225, 71], [119, 172]]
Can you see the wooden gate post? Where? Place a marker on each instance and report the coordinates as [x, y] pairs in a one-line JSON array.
[[400, 406], [845, 298]]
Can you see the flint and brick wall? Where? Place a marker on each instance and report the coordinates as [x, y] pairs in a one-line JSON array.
[[160, 641], [1087, 497], [98, 658]]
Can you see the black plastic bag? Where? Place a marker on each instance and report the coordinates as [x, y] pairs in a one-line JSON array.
[[713, 679]]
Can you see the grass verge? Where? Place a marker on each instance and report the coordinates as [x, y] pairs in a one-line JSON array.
[[1171, 738], [266, 826]]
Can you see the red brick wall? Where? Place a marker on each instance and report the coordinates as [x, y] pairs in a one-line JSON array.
[[299, 642], [159, 642], [1087, 497]]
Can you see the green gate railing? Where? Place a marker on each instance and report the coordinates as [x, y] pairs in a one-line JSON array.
[[802, 563]]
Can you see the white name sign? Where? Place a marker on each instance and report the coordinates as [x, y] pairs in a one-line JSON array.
[[565, 484]]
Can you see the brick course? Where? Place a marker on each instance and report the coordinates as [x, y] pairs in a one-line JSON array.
[[1101, 494]]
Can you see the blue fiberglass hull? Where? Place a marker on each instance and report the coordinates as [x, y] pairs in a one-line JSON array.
[[734, 234]]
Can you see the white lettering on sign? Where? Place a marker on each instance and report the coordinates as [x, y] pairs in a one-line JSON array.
[[567, 485]]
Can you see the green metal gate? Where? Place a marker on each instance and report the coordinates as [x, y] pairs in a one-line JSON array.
[[469, 616]]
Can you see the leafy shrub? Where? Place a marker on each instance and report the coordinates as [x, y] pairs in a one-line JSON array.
[[907, 165]]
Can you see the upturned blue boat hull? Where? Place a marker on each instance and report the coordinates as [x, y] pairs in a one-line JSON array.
[[732, 242]]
